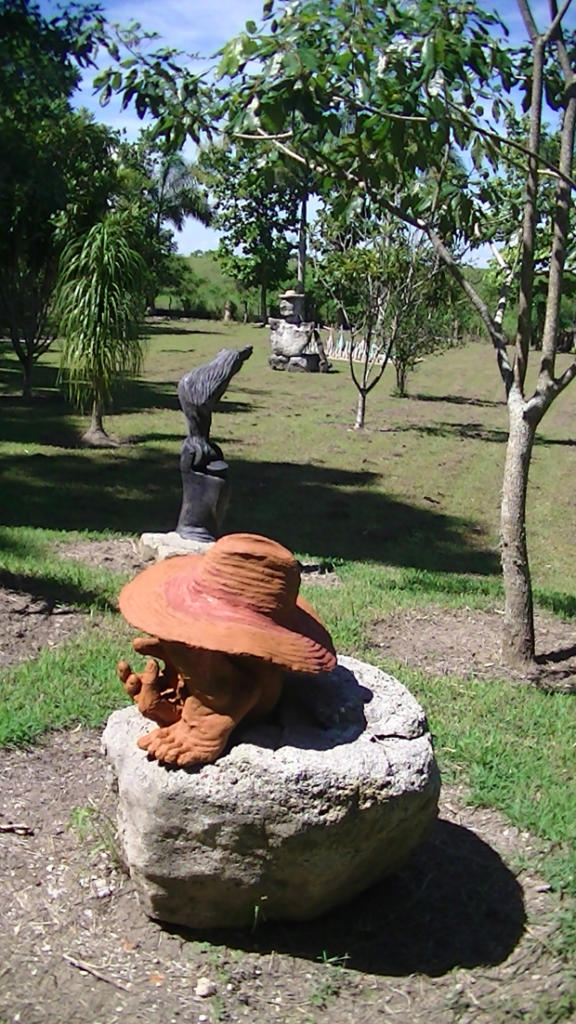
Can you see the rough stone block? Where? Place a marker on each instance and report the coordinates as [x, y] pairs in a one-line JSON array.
[[300, 814]]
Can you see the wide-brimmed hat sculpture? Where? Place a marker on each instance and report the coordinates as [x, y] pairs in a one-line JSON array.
[[228, 625]]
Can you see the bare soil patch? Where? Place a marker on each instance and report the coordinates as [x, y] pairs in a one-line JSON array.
[[466, 642], [456, 936], [119, 554], [30, 624], [459, 935]]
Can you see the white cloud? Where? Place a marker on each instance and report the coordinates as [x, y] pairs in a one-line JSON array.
[[201, 27]]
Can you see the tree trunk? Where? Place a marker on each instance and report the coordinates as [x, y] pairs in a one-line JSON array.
[[360, 410], [302, 229], [25, 354], [96, 436], [27, 367], [518, 625], [263, 303], [400, 371]]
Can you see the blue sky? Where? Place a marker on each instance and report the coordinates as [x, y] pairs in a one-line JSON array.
[[202, 26]]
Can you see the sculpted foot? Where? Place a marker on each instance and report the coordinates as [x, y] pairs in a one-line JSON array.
[[186, 743]]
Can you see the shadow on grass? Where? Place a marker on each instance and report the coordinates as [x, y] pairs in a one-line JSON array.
[[314, 510], [481, 403], [455, 904], [171, 328], [473, 431], [340, 514], [167, 327], [44, 422], [54, 592], [51, 421]]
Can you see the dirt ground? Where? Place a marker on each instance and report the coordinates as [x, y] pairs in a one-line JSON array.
[[464, 933]]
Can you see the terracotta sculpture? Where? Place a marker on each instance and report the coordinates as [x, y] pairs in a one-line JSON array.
[[228, 625], [204, 472]]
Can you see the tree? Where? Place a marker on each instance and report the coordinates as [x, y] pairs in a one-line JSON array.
[[389, 91], [179, 281], [390, 291], [55, 166], [256, 208], [430, 319], [414, 82], [167, 189], [99, 309]]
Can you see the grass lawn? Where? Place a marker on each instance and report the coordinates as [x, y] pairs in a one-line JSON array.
[[407, 510]]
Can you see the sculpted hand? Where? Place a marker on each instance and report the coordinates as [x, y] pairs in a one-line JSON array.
[[155, 690]]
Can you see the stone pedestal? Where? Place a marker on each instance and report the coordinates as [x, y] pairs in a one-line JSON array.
[[301, 813], [166, 545]]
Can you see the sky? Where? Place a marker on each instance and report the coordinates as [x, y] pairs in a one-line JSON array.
[[202, 26]]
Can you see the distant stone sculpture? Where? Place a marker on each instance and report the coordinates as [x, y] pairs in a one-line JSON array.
[[228, 624], [202, 466], [291, 336]]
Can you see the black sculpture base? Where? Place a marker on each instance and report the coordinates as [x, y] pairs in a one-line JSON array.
[[204, 502]]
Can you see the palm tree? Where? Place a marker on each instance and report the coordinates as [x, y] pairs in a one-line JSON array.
[[174, 193], [99, 309], [177, 193]]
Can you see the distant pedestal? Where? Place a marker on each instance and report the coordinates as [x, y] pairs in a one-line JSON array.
[[166, 545], [309, 362]]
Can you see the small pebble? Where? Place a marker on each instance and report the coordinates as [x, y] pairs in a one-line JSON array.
[[205, 988]]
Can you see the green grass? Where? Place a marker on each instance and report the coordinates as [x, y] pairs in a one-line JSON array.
[[71, 684], [406, 510]]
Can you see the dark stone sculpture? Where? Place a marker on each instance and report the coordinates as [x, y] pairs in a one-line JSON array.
[[204, 471]]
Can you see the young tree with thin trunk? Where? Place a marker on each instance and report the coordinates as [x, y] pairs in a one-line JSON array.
[[413, 87], [99, 310]]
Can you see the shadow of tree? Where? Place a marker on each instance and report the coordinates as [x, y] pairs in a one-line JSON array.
[[481, 403], [335, 513], [49, 419], [167, 327], [54, 591], [455, 904], [172, 328], [317, 510], [474, 431], [44, 422]]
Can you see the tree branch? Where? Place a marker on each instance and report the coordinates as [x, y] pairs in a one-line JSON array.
[[528, 20], [524, 326], [560, 230], [558, 15], [494, 328]]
